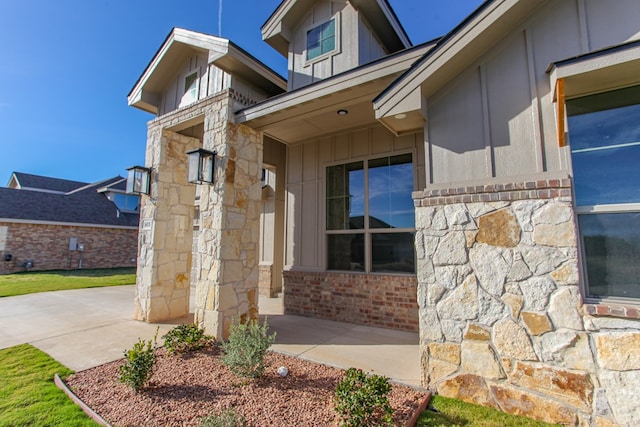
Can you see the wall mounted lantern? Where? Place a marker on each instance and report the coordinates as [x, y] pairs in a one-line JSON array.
[[201, 164], [138, 180]]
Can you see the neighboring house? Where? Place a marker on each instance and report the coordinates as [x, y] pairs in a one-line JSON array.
[[54, 224], [481, 189]]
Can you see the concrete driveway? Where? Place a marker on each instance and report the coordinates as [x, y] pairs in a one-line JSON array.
[[79, 328], [88, 327]]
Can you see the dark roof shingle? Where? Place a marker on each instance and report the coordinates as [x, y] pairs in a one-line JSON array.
[[47, 183], [83, 205]]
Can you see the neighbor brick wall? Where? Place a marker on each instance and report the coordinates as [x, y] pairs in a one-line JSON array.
[[48, 247], [376, 300]]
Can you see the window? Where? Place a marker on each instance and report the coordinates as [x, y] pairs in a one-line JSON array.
[[604, 132], [321, 39], [126, 202], [190, 93], [370, 215]]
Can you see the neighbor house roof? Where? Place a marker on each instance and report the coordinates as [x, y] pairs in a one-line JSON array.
[[82, 204], [27, 181]]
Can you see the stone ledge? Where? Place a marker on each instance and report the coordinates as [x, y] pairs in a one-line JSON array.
[[611, 310]]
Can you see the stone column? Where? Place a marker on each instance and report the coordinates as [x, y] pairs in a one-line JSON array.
[[227, 244], [166, 229]]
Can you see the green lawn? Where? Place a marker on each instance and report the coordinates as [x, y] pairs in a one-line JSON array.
[[28, 396], [452, 412], [44, 281]]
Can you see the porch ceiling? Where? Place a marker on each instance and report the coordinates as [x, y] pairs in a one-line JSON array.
[[312, 111], [320, 116]]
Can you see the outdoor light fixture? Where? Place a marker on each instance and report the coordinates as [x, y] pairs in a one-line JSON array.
[[138, 180], [342, 112], [201, 164]]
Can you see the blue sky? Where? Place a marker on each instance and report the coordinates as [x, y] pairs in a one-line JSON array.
[[67, 66]]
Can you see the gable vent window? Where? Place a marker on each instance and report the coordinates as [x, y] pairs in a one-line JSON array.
[[321, 39]]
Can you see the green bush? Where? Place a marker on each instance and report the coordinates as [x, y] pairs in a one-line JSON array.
[[227, 418], [246, 347], [362, 400], [138, 365], [184, 338]]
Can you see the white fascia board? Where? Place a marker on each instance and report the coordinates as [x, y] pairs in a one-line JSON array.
[[397, 27], [136, 92], [273, 26], [423, 70], [65, 224], [396, 64], [177, 35], [248, 62], [610, 62], [200, 40]]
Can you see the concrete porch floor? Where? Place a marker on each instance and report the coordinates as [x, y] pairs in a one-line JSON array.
[[88, 327], [394, 354]]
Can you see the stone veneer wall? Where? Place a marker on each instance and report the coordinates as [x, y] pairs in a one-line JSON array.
[[48, 246], [264, 280], [501, 317], [387, 301], [228, 240]]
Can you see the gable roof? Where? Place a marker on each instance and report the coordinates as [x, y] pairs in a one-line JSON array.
[[178, 46], [452, 54], [27, 181], [310, 111], [83, 204], [277, 29]]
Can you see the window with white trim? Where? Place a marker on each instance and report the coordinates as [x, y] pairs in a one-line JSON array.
[[604, 135], [321, 39], [190, 89], [370, 219]]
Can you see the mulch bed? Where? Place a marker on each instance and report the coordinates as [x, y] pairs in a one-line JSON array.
[[185, 389]]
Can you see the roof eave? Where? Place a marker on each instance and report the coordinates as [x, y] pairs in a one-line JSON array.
[[462, 46], [393, 64]]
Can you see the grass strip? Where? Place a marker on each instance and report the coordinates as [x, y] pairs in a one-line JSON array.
[[28, 395], [45, 281], [453, 412]]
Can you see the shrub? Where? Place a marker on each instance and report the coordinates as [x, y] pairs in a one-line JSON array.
[[362, 400], [138, 365], [184, 338], [246, 347], [227, 418]]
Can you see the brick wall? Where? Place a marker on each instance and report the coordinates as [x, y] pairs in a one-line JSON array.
[[374, 300], [48, 247]]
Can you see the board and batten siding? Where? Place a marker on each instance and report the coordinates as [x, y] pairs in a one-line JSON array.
[[356, 44], [306, 166], [211, 80], [497, 119]]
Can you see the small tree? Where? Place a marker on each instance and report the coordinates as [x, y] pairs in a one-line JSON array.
[[139, 362], [246, 347], [362, 400]]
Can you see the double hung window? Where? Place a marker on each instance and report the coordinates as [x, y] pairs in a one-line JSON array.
[[604, 131], [370, 220], [321, 39]]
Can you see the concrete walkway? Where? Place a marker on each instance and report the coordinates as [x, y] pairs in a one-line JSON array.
[[88, 327]]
